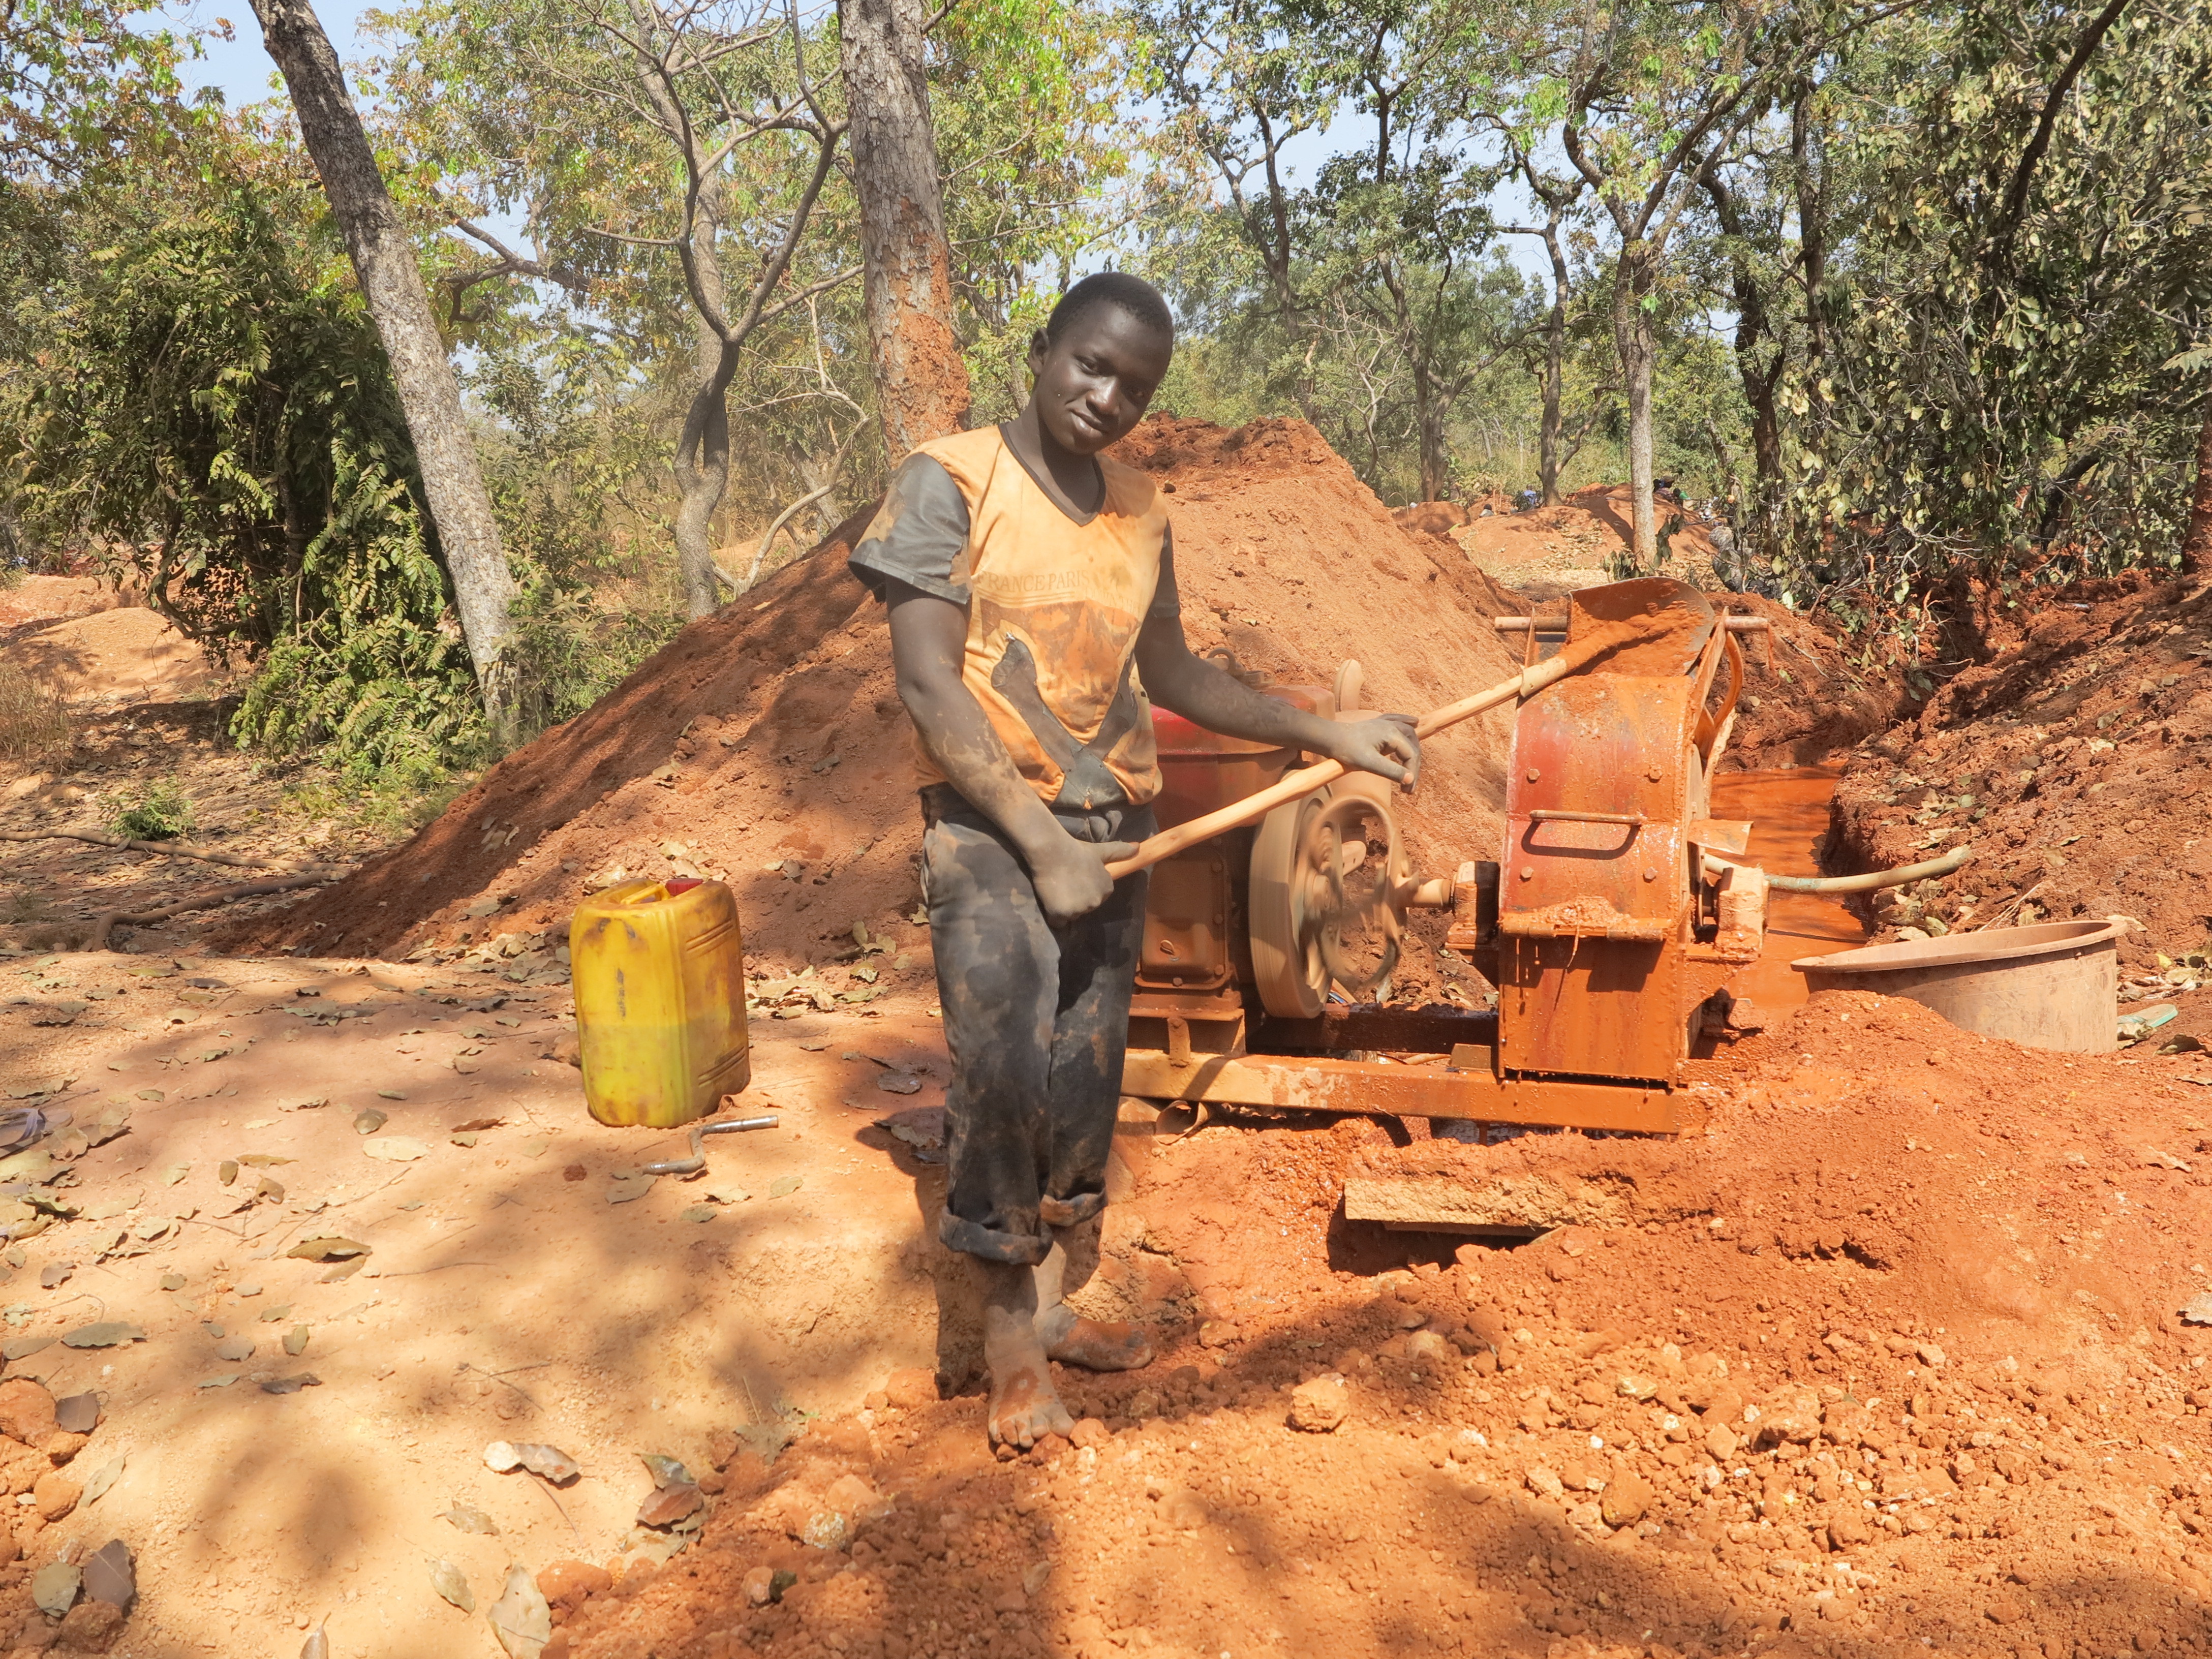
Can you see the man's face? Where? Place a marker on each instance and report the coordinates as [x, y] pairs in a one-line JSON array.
[[1094, 382]]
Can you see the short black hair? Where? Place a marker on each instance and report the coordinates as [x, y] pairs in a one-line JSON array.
[[1134, 294]]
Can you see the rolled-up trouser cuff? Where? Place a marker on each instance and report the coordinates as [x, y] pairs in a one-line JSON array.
[[1070, 1211], [969, 1237]]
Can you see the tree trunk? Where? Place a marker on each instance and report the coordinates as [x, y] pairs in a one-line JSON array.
[[2196, 545], [921, 380], [392, 284], [1435, 459], [703, 473], [1555, 357], [702, 462], [1631, 335]]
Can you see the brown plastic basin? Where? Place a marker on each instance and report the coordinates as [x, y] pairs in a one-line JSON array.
[[2053, 985]]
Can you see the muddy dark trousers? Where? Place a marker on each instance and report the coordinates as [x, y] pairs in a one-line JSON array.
[[1037, 1018]]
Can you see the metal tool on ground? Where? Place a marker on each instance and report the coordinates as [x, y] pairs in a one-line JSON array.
[[1609, 920], [697, 1159]]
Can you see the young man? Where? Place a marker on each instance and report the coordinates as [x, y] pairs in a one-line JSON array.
[[1033, 612]]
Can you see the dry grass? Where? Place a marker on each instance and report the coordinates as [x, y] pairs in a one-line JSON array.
[[34, 720]]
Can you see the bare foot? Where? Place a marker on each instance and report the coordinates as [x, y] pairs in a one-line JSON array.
[[1097, 1345], [1024, 1406]]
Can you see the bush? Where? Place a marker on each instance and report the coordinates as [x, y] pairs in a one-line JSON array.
[[385, 696], [160, 813]]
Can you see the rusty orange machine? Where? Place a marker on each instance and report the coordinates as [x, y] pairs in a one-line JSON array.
[[1609, 918]]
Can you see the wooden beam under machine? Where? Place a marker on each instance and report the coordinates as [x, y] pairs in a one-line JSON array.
[[1465, 1088]]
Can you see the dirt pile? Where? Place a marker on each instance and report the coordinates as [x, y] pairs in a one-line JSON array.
[[1875, 1363], [1548, 549], [2076, 759], [766, 745]]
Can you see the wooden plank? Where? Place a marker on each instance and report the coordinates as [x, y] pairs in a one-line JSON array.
[[1291, 1084], [1482, 1204]]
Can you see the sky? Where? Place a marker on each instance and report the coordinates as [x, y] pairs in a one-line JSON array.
[[239, 68], [244, 74]]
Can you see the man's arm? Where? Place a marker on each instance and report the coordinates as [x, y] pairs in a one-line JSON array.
[[1199, 691], [929, 639]]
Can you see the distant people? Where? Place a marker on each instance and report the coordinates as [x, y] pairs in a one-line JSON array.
[[1663, 489], [1528, 500]]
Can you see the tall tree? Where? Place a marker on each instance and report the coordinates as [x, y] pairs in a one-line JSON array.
[[1557, 196], [383, 256], [670, 159], [921, 378]]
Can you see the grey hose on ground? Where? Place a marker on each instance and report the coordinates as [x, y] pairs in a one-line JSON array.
[[1873, 880]]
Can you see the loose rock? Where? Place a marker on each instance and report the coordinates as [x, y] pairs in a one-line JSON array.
[[1320, 1405]]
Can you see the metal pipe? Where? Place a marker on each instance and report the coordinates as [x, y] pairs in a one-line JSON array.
[[1873, 880], [1522, 625], [1563, 815]]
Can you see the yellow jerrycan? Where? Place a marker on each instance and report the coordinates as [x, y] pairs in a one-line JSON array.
[[660, 976]]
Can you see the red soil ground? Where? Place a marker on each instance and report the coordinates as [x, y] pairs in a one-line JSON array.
[[1886, 1359], [2075, 757]]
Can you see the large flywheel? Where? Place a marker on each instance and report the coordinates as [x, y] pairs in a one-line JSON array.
[[1328, 893]]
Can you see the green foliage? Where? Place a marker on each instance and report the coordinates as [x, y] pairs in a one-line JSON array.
[[574, 471], [210, 404], [2011, 381], [203, 356], [358, 677], [82, 82], [156, 812]]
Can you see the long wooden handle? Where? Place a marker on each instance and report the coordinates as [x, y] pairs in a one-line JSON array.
[[1304, 780]]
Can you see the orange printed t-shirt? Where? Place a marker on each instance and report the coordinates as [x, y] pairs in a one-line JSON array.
[[1054, 606]]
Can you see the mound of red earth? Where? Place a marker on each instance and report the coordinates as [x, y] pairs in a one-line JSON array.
[[1888, 1360], [766, 745], [2076, 757]]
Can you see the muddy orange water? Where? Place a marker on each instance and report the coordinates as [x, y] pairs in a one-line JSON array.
[[1788, 814]]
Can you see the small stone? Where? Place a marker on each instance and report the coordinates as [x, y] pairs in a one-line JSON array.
[[1429, 1346], [1626, 1497], [566, 1583], [1720, 1443], [1849, 1529], [61, 1446], [1545, 1481], [1930, 1354], [1182, 1509], [1320, 1406], [856, 1499], [911, 1389], [27, 1411], [1091, 1434], [55, 1494]]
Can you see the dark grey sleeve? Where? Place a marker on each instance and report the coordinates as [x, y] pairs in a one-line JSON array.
[[1167, 598], [916, 535]]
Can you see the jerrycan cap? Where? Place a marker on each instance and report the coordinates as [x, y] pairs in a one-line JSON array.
[[682, 884]]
